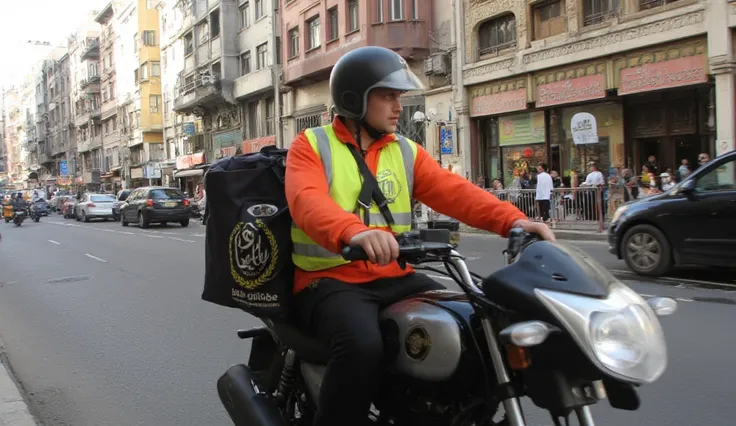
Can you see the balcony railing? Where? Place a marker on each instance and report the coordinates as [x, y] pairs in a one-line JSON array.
[[199, 80], [603, 16], [92, 51]]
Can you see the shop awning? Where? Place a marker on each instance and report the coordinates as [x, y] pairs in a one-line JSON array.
[[188, 173]]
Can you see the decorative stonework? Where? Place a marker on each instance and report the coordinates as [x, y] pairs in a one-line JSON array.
[[505, 64], [616, 37], [478, 11], [498, 87]]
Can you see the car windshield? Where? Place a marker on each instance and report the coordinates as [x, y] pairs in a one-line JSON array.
[[102, 198], [164, 194]]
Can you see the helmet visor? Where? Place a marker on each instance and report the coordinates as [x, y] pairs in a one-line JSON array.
[[403, 79]]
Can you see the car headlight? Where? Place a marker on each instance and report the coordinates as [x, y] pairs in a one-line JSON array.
[[619, 211], [620, 334]]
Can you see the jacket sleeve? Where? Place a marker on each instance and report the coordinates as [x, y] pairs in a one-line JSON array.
[[457, 197], [312, 208]]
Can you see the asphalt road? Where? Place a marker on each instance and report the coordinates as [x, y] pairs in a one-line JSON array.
[[104, 325]]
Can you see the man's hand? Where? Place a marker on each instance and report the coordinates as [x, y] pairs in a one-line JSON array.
[[380, 246], [538, 228]]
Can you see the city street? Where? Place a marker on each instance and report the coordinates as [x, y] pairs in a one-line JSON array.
[[104, 325]]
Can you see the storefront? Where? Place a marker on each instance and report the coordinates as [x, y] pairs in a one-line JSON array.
[[255, 145], [668, 105], [190, 171]]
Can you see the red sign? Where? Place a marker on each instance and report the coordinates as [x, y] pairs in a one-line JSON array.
[[498, 103], [572, 90], [189, 161], [255, 145], [663, 75], [228, 151]]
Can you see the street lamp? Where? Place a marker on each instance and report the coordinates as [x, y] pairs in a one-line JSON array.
[[420, 117]]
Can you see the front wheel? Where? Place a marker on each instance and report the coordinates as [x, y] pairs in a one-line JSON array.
[[37, 219], [184, 223], [647, 251]]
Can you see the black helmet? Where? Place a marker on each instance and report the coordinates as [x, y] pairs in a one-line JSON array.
[[366, 68]]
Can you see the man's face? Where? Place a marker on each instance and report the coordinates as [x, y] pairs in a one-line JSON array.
[[652, 159], [384, 108], [540, 169], [702, 159]]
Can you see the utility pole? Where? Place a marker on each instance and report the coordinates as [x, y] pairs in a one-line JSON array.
[[276, 73]]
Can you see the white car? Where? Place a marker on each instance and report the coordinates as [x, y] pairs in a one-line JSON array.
[[94, 206]]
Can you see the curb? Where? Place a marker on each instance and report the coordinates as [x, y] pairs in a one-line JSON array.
[[13, 408], [561, 234]]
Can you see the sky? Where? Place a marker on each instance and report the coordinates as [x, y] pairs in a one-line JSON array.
[[40, 20]]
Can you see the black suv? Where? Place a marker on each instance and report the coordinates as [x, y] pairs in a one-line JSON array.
[[155, 204], [692, 224]]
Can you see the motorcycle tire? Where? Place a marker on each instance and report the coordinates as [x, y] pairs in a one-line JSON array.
[[38, 219]]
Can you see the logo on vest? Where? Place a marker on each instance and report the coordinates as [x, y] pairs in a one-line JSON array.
[[253, 254], [389, 184]]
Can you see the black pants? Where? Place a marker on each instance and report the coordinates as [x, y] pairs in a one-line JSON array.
[[544, 209], [345, 316]]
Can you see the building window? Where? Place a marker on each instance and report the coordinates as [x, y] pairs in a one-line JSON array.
[[270, 117], [549, 20], [215, 23], [334, 24], [245, 63], [497, 34], [259, 9], [135, 42], [353, 16], [397, 10], [307, 122], [379, 11], [203, 30], [313, 30], [597, 11], [245, 15], [293, 42], [650, 4], [253, 120], [278, 50], [155, 102], [415, 10], [262, 56], [188, 44], [149, 38], [144, 72]]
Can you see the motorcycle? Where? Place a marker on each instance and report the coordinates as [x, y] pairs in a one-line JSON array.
[[7, 213], [39, 208], [552, 325], [18, 217]]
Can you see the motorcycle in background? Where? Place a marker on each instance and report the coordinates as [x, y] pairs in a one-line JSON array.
[[553, 325], [18, 217]]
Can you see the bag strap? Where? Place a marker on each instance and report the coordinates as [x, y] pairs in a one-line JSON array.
[[370, 190]]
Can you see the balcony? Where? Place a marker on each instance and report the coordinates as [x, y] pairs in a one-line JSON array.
[[94, 112], [260, 81], [197, 91], [95, 142], [44, 157], [82, 146], [92, 51]]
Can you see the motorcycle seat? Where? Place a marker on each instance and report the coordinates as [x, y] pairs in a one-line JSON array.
[[306, 346]]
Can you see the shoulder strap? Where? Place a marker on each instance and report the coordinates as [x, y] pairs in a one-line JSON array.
[[370, 190]]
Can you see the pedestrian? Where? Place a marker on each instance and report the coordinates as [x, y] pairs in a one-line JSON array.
[[544, 191]]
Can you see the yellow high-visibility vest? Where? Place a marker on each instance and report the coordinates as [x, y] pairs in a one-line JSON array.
[[395, 176]]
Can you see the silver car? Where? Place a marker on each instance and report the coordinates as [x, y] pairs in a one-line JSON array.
[[94, 206]]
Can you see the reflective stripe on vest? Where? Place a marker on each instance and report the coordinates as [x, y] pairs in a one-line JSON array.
[[395, 176]]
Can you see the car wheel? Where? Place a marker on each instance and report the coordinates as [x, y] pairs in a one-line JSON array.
[[84, 217], [647, 251], [123, 221], [76, 216], [184, 223], [142, 222]]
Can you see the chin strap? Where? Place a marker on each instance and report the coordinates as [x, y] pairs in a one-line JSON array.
[[372, 131]]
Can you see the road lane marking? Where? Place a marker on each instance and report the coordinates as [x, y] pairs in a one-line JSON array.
[[151, 236], [95, 258], [198, 235], [127, 233], [179, 239], [55, 242]]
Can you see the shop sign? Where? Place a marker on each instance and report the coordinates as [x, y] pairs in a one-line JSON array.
[[521, 129], [255, 145], [63, 167], [152, 171], [498, 103], [584, 129], [188, 128], [189, 161], [572, 90], [446, 139], [228, 151], [227, 138], [663, 75], [136, 173]]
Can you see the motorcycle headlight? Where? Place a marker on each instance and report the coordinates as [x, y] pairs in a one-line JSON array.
[[620, 334]]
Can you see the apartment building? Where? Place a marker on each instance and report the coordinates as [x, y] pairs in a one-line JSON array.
[[205, 89], [30, 149], [87, 106], [139, 86], [573, 81], [317, 33], [13, 120]]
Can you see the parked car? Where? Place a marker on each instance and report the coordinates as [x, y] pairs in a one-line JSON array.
[[155, 204], [694, 223], [94, 206], [122, 196]]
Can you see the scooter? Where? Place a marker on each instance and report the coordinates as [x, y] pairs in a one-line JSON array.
[[18, 217], [553, 325]]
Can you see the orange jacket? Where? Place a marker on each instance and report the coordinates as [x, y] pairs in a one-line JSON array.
[[329, 226]]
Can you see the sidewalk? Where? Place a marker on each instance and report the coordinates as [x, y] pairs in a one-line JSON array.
[[561, 234], [13, 408]]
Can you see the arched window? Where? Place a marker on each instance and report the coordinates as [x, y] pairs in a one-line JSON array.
[[497, 34]]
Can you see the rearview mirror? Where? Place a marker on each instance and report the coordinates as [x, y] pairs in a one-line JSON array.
[[688, 186]]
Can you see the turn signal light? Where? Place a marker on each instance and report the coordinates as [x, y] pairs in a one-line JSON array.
[[186, 203], [518, 357]]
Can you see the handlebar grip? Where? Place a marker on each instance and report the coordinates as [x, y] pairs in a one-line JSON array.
[[354, 253]]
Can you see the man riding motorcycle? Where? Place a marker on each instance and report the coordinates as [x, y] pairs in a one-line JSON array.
[[19, 204], [337, 300]]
